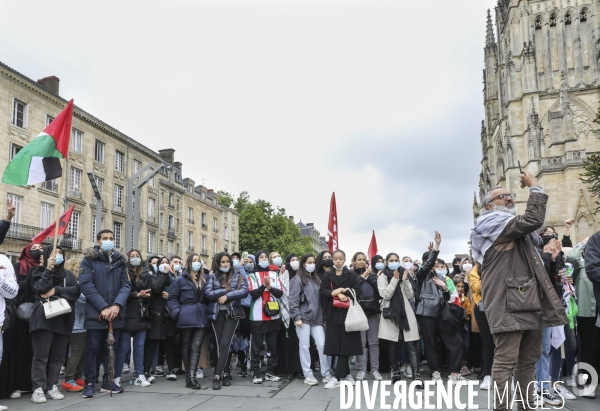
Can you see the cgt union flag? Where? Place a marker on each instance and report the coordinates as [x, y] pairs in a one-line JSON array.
[[372, 252], [62, 227], [39, 160], [332, 228]]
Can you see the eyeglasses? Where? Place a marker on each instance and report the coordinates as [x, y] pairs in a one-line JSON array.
[[504, 197]]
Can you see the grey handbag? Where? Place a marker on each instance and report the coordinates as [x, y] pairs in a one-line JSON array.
[[24, 311]]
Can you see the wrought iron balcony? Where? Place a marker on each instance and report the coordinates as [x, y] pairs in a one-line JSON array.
[[190, 248], [75, 193], [50, 186], [204, 226], [27, 232], [204, 251], [191, 220]]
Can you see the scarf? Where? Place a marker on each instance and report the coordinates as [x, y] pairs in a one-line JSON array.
[[26, 261], [288, 267], [58, 272], [396, 307]]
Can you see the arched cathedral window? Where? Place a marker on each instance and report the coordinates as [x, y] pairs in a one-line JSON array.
[[553, 20], [538, 23], [583, 16], [567, 18]]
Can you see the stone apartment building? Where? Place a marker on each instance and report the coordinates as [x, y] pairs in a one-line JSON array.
[[541, 94], [177, 217], [319, 242]]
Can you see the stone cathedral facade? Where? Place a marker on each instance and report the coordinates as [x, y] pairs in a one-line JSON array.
[[541, 93]]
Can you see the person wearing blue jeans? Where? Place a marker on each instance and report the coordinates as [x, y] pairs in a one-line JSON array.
[[104, 282], [137, 320], [307, 313]]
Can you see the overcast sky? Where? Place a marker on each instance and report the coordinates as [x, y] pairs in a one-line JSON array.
[[379, 101]]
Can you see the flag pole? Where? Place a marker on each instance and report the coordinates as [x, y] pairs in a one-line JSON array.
[[61, 190]]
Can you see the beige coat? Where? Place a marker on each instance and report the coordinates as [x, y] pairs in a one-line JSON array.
[[387, 329]]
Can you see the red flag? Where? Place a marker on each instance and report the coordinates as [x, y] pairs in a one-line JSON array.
[[64, 222], [332, 228], [60, 129], [372, 252]]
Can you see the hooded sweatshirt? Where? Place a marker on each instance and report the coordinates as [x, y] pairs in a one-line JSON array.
[[8, 284]]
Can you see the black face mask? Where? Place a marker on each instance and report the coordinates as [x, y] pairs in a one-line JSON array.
[[456, 267], [328, 263], [547, 238], [35, 254]]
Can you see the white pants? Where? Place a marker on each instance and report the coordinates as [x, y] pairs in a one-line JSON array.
[[318, 333]]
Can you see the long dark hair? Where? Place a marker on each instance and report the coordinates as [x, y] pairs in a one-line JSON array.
[[137, 271], [304, 275], [224, 278], [319, 262], [150, 268], [199, 280]]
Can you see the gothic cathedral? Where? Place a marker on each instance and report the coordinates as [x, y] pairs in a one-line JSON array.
[[541, 93]]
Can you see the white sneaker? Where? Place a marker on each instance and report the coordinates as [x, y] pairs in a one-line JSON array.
[[54, 394], [402, 368], [3, 407], [333, 383], [485, 384], [310, 380], [408, 372], [327, 378], [435, 376], [150, 378], [550, 399], [62, 371], [125, 369], [455, 379], [376, 375], [581, 379], [350, 379], [172, 377], [141, 381], [199, 373], [360, 376], [117, 382], [15, 395], [38, 396], [571, 381], [562, 390]]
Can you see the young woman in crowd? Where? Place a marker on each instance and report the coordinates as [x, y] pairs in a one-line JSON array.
[[74, 368], [434, 292], [169, 348], [323, 263], [465, 303], [484, 327], [224, 290], [137, 319], [15, 370], [288, 359], [397, 314], [159, 269], [336, 284], [369, 301], [187, 306], [246, 267], [264, 286], [50, 337]]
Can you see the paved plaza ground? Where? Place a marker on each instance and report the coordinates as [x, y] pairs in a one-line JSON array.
[[166, 395]]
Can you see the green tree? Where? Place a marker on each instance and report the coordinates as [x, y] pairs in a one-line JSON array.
[[261, 227], [591, 176], [225, 199]]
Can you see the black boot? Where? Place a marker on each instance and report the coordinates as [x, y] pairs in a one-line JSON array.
[[193, 383], [216, 383], [244, 371], [395, 375], [188, 380], [417, 378], [226, 380]]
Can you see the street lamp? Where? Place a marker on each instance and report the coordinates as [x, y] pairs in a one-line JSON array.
[[133, 198], [98, 196]]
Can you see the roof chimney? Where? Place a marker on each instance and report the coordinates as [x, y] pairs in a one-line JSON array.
[[50, 84], [291, 218], [167, 154]]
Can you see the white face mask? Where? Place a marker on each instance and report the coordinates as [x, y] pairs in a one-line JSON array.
[[467, 267], [310, 267], [407, 265], [440, 272], [295, 265]]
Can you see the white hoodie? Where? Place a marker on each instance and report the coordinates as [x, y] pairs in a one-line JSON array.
[[8, 284]]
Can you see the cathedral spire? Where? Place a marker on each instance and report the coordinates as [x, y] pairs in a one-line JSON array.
[[490, 41]]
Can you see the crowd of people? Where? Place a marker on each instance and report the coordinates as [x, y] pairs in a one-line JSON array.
[[503, 314]]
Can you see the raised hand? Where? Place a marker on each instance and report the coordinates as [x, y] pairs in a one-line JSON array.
[[11, 210]]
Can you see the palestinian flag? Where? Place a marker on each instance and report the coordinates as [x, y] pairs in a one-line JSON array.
[[51, 229], [39, 160]]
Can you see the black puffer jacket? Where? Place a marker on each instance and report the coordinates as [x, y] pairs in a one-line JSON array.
[[133, 316], [158, 305]]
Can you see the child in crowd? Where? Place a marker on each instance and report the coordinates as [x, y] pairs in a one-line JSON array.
[[459, 283]]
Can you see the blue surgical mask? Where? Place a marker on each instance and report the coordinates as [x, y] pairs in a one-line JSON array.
[[441, 272], [177, 267], [135, 261], [224, 269], [236, 262], [196, 266], [379, 266], [155, 267], [59, 259], [263, 263], [277, 261], [249, 268], [108, 245], [393, 266]]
